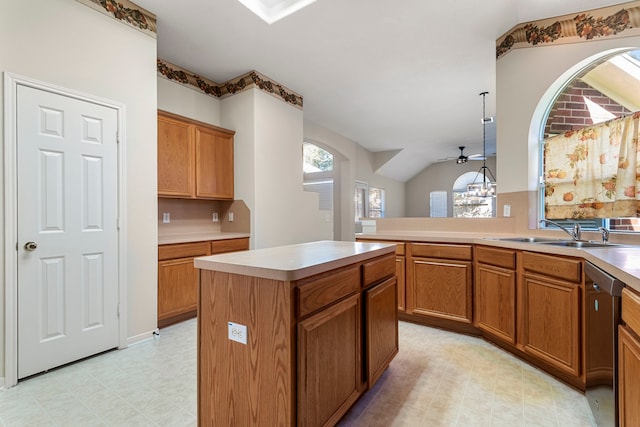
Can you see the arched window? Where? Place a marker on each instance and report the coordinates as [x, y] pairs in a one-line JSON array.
[[316, 159], [604, 90], [465, 206]]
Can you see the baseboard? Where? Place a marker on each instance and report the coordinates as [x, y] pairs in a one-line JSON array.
[[140, 337]]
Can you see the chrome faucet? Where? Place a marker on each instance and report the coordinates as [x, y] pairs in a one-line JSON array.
[[605, 235], [576, 234]]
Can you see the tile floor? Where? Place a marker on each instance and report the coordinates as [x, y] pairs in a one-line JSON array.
[[437, 379]]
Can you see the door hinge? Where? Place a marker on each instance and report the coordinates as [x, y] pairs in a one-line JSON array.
[[118, 311], [118, 137]]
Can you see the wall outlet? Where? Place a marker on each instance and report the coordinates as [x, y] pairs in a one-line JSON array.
[[166, 217], [506, 210], [238, 332], [230, 216], [214, 218]]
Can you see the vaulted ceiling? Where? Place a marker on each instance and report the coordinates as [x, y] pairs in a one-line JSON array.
[[390, 75]]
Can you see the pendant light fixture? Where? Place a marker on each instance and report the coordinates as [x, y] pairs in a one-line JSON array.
[[486, 187]]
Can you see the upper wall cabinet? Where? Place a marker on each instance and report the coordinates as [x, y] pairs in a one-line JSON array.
[[195, 160]]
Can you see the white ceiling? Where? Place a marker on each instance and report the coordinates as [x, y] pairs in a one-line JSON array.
[[390, 75]]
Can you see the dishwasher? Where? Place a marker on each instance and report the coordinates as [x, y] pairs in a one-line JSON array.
[[602, 316]]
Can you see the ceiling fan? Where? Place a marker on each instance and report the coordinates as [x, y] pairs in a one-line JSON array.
[[462, 158]]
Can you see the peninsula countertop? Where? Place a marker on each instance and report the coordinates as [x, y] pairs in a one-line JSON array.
[[294, 262], [169, 239]]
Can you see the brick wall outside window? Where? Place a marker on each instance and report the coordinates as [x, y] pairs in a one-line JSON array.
[[571, 113]]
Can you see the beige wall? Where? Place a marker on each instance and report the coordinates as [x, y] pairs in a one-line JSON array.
[[527, 82], [67, 44], [356, 164], [439, 177], [188, 102], [394, 190], [268, 150]]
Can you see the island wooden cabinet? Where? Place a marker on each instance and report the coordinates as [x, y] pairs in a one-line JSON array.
[[629, 360], [178, 278], [195, 160], [495, 292], [400, 270], [329, 382], [314, 345], [439, 281], [550, 311], [381, 324]]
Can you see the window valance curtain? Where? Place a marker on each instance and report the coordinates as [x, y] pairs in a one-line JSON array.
[[594, 172]]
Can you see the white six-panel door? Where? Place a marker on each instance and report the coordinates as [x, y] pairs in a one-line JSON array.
[[67, 207]]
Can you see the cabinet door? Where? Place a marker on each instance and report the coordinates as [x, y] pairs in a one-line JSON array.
[[628, 378], [175, 158], [441, 288], [214, 164], [381, 328], [329, 362], [551, 322], [400, 275], [177, 290], [495, 301]]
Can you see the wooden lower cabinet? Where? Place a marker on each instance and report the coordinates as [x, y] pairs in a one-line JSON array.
[[401, 263], [495, 301], [628, 377], [178, 278], [551, 322], [439, 281], [550, 313], [494, 292], [381, 324], [177, 290], [329, 382], [629, 360]]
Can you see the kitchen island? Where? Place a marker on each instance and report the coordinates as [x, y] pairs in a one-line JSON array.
[[293, 335]]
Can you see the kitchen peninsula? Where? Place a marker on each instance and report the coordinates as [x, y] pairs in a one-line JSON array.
[[293, 335]]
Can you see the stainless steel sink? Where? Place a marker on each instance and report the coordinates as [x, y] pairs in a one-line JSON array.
[[529, 239], [578, 244]]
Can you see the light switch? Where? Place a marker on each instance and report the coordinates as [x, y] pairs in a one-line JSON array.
[[506, 210], [166, 217], [230, 216], [214, 218]]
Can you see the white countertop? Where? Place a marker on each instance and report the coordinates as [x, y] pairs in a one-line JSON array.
[[294, 262], [198, 237], [621, 261]]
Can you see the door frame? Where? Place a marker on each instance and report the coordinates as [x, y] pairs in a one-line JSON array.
[[11, 83]]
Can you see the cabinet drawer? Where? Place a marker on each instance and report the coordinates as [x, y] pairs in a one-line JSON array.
[[562, 268], [378, 269], [315, 293], [499, 257], [631, 309], [183, 250], [230, 245], [431, 250]]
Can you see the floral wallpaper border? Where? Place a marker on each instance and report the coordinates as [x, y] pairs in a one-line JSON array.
[[610, 21], [231, 87], [126, 12]]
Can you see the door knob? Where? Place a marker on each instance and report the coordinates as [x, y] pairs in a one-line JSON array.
[[30, 246]]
